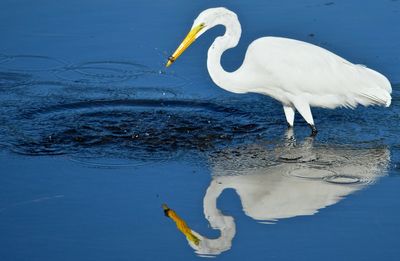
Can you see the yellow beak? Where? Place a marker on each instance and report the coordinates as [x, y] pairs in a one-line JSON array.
[[189, 39]]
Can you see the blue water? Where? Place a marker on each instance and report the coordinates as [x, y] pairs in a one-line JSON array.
[[96, 134]]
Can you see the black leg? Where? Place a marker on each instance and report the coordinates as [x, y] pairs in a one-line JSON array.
[[314, 130]]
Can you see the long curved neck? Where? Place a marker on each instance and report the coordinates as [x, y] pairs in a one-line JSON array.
[[230, 39], [225, 224]]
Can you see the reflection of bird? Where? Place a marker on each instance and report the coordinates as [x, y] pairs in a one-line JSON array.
[[287, 182], [297, 74]]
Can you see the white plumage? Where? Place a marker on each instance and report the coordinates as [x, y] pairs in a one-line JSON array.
[[298, 74]]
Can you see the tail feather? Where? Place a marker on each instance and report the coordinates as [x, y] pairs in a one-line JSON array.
[[378, 90], [379, 97]]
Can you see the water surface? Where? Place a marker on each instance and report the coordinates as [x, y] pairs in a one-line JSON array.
[[95, 134]]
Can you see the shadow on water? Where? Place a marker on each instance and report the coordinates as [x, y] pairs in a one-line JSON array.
[[285, 181]]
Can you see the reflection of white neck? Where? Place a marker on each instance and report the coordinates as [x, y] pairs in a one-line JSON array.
[[225, 224]]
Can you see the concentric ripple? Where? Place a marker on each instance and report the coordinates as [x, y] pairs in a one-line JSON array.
[[101, 72], [136, 128], [342, 165], [337, 165], [4, 58], [159, 79], [13, 79], [121, 109], [112, 109], [312, 173], [343, 179], [30, 63]]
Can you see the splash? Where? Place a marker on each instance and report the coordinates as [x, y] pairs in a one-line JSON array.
[[113, 108]]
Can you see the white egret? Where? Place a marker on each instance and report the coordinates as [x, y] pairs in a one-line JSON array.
[[298, 74]]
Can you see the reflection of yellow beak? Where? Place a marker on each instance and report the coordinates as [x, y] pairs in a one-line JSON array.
[[189, 39], [181, 224]]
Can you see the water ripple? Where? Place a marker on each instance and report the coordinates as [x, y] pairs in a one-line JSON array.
[[136, 128], [30, 63], [115, 108], [13, 79], [101, 72]]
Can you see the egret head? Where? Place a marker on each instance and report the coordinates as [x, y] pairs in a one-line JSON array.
[[206, 20]]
